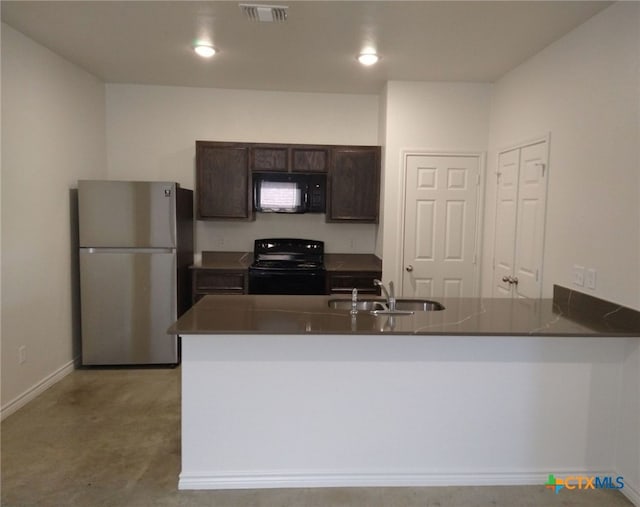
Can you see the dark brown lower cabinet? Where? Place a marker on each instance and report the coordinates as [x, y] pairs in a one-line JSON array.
[[218, 281], [343, 282]]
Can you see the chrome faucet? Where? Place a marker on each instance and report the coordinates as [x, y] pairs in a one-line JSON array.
[[390, 295]]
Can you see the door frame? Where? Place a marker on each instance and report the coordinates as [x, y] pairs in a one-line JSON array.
[[480, 193], [546, 137]]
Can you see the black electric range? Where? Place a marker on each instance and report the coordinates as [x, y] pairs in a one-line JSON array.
[[287, 266]]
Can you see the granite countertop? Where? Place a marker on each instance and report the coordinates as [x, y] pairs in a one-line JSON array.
[[242, 314], [224, 260]]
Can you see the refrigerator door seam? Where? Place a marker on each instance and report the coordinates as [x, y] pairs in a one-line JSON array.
[[126, 250]]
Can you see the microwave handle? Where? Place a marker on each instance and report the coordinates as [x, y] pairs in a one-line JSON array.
[[254, 183]]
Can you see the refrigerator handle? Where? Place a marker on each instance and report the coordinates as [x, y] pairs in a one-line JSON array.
[[173, 213]]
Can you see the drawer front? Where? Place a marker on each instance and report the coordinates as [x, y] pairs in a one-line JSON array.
[[342, 283], [220, 282]]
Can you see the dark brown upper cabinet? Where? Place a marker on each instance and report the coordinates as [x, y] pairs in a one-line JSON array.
[[297, 158], [270, 157], [223, 181], [354, 184], [313, 159]]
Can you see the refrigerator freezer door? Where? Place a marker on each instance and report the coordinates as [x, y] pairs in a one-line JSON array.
[[128, 301], [127, 214]]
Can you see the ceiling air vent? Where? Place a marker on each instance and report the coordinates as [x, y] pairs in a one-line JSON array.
[[265, 13]]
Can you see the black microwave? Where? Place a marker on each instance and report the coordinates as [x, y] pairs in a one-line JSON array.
[[289, 192]]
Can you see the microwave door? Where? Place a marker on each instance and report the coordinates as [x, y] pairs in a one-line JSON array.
[[280, 195]]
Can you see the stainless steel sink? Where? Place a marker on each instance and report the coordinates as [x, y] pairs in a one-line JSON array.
[[362, 304], [418, 305], [379, 306]]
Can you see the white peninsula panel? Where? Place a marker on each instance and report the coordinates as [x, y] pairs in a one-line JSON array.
[[393, 410]]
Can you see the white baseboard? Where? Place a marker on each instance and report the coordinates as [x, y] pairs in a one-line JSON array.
[[244, 480], [337, 480], [31, 393], [632, 492]]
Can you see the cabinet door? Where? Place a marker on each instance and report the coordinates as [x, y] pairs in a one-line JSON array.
[[217, 281], [354, 184], [313, 159], [223, 181], [270, 157]]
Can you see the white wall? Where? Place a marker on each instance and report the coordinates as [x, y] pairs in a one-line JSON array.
[[584, 89], [53, 117], [151, 134], [451, 117]]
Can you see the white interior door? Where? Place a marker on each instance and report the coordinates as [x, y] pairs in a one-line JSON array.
[[440, 219], [505, 230], [532, 196], [520, 221]]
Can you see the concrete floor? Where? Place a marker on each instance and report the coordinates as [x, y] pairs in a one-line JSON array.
[[112, 438]]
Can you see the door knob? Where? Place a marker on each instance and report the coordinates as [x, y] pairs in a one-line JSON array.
[[409, 268], [506, 279]]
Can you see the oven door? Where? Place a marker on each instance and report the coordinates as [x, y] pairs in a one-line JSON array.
[[274, 281]]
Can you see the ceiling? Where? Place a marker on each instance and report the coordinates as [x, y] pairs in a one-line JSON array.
[[150, 42]]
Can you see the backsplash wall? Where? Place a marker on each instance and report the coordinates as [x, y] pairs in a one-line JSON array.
[[239, 236]]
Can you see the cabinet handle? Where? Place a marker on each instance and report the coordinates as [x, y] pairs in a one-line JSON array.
[[510, 279], [506, 279], [409, 268]]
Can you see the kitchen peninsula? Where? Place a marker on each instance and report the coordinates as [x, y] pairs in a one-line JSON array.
[[284, 391]]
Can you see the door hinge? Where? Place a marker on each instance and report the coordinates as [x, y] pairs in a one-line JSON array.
[[478, 179]]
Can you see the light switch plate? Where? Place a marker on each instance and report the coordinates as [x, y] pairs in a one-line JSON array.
[[590, 278]]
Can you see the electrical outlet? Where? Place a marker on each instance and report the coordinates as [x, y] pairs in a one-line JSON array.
[[578, 275], [590, 278], [22, 354]]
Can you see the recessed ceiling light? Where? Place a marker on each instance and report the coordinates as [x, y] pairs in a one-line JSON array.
[[204, 50], [368, 58]]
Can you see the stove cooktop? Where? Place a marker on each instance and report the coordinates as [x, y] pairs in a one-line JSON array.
[[288, 254]]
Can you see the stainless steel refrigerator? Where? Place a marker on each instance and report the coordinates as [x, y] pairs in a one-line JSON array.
[[136, 245]]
